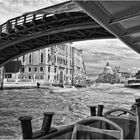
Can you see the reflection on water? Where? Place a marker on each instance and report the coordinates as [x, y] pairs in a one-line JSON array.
[[68, 107]]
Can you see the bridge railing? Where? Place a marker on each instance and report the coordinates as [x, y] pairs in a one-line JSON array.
[[19, 21], [33, 16]]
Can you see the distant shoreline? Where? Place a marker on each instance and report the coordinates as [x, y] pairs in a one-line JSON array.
[[34, 85]]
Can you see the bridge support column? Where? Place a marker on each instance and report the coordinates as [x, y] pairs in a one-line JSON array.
[[2, 73]]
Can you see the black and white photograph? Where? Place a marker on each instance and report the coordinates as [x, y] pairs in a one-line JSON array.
[[70, 69]]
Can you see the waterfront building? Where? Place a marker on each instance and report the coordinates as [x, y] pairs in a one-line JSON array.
[[79, 71], [110, 75], [137, 75], [11, 71], [58, 65], [107, 69], [33, 66]]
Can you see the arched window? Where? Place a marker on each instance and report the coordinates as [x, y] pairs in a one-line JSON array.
[[41, 57], [30, 57]]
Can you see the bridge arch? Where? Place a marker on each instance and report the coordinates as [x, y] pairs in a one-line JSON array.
[[32, 31]]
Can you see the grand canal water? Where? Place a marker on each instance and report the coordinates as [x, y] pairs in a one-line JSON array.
[[68, 107]]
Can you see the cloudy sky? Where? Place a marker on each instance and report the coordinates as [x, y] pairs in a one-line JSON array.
[[96, 52]]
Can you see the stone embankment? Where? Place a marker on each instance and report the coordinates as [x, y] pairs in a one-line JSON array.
[[32, 85], [21, 85]]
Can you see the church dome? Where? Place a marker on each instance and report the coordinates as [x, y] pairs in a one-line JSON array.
[[107, 69]]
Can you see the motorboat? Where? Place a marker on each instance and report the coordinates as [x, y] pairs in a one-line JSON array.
[[120, 18], [132, 82]]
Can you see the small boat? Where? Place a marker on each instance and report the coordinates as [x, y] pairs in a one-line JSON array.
[[65, 89], [132, 82]]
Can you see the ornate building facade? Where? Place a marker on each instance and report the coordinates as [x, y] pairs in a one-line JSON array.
[[58, 65], [79, 71]]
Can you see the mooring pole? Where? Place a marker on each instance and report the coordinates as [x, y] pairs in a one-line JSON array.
[[47, 121], [92, 110], [100, 110], [26, 127]]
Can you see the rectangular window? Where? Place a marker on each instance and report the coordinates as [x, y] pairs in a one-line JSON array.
[[30, 57], [22, 69], [55, 69], [35, 68], [8, 75], [41, 68], [49, 69], [70, 71], [49, 77], [41, 57], [67, 71], [29, 69]]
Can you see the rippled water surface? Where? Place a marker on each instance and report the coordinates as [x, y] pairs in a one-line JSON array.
[[68, 106]]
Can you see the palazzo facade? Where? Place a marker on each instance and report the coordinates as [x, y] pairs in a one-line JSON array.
[[58, 65]]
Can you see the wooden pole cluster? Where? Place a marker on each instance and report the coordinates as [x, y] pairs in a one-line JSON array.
[[26, 126]]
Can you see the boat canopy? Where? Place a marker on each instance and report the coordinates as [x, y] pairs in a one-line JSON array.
[[121, 18]]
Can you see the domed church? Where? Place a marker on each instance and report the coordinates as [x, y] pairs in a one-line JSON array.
[[108, 75], [107, 69]]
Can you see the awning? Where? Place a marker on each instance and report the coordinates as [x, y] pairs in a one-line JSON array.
[[12, 67], [122, 18]]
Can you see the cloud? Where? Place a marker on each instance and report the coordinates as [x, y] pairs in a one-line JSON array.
[[97, 52], [113, 46]]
